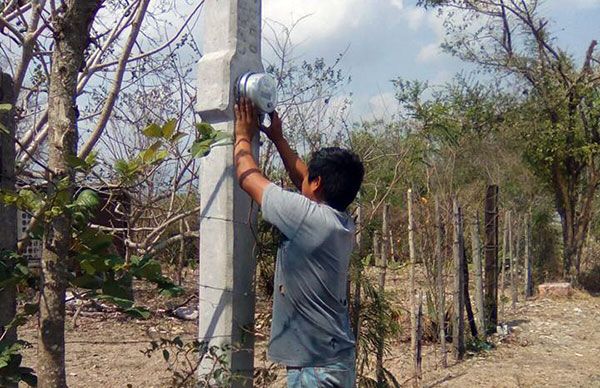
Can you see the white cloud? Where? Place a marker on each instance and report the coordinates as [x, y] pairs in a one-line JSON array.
[[383, 105], [429, 53], [324, 19], [319, 18], [398, 4], [415, 17]]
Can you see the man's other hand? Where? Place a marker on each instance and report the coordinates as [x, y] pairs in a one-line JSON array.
[[274, 132], [246, 120]]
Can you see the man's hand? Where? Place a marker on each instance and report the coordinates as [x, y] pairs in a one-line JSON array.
[[246, 120], [249, 176], [274, 132]]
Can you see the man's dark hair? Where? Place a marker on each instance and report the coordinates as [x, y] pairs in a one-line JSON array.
[[341, 173]]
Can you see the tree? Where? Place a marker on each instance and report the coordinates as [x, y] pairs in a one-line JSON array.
[[559, 115], [71, 25], [8, 214]]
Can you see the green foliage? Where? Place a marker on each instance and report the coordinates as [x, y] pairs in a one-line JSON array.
[[4, 109], [82, 165], [13, 272], [379, 322], [184, 358], [478, 345], [11, 371], [13, 269], [206, 138]]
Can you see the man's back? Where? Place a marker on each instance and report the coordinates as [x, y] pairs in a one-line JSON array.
[[310, 324]]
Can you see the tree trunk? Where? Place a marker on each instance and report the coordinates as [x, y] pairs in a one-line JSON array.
[[528, 261], [358, 274], [575, 209], [467, 296], [491, 258], [392, 246], [458, 325], [505, 256], [476, 246], [439, 271], [8, 214], [181, 254], [376, 259], [514, 268], [412, 285], [418, 382], [71, 33], [382, 250]]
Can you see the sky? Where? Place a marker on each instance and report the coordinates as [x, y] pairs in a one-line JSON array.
[[386, 39]]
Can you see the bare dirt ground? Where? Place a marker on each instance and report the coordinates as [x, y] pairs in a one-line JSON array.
[[553, 343]]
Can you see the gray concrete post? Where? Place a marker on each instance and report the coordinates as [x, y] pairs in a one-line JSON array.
[[232, 38]]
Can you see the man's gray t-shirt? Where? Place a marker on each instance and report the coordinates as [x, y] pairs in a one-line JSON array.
[[310, 325]]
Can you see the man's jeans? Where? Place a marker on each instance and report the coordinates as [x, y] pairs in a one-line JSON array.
[[338, 375]]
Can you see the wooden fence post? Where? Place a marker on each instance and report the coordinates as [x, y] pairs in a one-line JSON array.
[[358, 273], [439, 260], [491, 258], [382, 263], [514, 267], [458, 326], [412, 286], [476, 246], [418, 381], [384, 247], [528, 264], [376, 258], [506, 243]]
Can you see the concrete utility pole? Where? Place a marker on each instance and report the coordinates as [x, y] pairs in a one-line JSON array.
[[232, 37]]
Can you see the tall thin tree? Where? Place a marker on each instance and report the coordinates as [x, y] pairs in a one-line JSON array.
[[458, 325], [414, 332], [476, 247], [8, 214], [71, 24], [491, 258], [439, 272]]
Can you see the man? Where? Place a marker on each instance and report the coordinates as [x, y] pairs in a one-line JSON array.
[[310, 330]]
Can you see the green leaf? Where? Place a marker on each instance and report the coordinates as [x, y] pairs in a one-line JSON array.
[[90, 160], [118, 291], [169, 128], [138, 312], [153, 130], [87, 199], [89, 282], [200, 148], [150, 270], [119, 302], [5, 108], [165, 353], [76, 162], [88, 267], [121, 167], [4, 129], [160, 155], [204, 130], [170, 290], [178, 136], [152, 153]]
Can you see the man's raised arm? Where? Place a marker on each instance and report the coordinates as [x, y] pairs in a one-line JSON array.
[[295, 166]]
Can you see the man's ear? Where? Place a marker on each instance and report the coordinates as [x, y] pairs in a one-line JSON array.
[[317, 184]]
